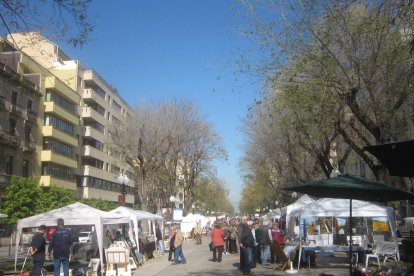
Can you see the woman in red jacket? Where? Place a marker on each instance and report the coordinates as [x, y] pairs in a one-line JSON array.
[[217, 236]]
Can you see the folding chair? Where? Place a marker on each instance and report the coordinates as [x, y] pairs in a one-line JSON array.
[[285, 256]]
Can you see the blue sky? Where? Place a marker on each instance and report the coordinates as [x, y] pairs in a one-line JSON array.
[[183, 49]]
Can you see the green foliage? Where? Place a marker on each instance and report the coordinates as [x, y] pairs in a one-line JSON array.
[[100, 204], [53, 198], [24, 197], [20, 198], [211, 195]]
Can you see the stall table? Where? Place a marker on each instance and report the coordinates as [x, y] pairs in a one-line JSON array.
[[328, 248]]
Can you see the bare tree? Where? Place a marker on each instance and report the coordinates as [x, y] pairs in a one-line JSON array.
[[56, 19], [169, 146]]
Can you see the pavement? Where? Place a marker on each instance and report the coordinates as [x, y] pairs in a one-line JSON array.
[[199, 262]]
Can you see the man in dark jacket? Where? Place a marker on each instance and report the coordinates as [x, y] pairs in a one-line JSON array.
[[264, 241], [60, 243], [246, 245], [37, 251]]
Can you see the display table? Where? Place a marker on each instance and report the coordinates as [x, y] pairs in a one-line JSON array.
[[328, 248]]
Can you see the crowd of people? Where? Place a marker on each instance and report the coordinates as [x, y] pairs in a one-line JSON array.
[[256, 244]]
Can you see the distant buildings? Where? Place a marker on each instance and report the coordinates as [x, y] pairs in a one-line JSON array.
[[54, 115]]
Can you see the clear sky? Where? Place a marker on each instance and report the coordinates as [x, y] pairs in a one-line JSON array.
[[182, 49]]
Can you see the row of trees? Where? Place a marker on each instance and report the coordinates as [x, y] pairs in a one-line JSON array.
[[170, 147], [340, 78], [24, 197]]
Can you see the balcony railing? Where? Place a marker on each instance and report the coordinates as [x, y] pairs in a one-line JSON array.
[[10, 140]]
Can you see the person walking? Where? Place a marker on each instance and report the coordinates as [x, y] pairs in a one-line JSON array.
[[233, 238], [198, 232], [226, 230], [277, 240], [37, 251], [217, 236], [171, 240], [160, 241], [178, 244], [264, 237], [240, 228], [246, 246], [60, 244]]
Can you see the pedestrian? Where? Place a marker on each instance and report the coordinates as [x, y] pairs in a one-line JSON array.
[[160, 241], [171, 240], [277, 240], [178, 244], [233, 238], [256, 249], [264, 237], [240, 227], [198, 233], [37, 251], [226, 229], [246, 245], [60, 244], [217, 237]]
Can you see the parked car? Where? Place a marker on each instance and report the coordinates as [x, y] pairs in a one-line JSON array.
[[85, 236], [406, 228]]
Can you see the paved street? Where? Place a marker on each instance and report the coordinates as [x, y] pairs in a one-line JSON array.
[[198, 263]]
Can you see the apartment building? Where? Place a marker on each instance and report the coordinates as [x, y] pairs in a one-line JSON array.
[[75, 111], [19, 109]]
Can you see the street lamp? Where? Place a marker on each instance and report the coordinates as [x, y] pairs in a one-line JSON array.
[[123, 180], [172, 200]]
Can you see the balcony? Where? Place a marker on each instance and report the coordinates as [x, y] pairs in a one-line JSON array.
[[32, 116], [18, 110], [90, 95], [89, 131], [50, 131], [50, 156], [29, 147], [94, 152], [89, 112], [92, 171], [12, 141]]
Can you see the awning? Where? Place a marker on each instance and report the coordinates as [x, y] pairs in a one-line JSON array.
[[397, 157]]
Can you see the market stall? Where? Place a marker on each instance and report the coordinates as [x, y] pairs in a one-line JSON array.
[[324, 225], [139, 215], [73, 215]]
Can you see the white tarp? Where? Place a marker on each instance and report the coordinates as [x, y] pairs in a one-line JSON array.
[[191, 220], [73, 214], [301, 201], [139, 215], [330, 207]]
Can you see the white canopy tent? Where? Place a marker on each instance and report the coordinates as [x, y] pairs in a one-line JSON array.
[[271, 215], [139, 215], [190, 221], [301, 201], [328, 207], [73, 215], [3, 216]]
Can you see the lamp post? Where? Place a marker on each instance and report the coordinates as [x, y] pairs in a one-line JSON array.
[[172, 200], [123, 180]]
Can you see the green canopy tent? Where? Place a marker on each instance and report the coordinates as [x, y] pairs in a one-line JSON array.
[[352, 187]]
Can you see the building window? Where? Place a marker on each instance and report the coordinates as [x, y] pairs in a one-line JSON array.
[[14, 98], [9, 164], [12, 126], [27, 133], [61, 101], [57, 170], [25, 168], [116, 105], [56, 146], [51, 120], [29, 105]]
